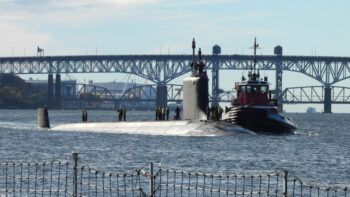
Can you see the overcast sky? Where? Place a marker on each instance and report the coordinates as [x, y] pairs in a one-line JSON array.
[[79, 27]]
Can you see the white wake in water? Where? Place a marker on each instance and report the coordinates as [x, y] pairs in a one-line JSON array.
[[16, 125], [172, 128]]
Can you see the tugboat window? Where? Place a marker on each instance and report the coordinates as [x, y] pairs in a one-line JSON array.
[[243, 89], [263, 89], [248, 89], [254, 89]]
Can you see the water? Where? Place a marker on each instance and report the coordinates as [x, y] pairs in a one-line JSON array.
[[318, 152]]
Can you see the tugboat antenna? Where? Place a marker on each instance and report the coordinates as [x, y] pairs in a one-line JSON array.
[[255, 47]]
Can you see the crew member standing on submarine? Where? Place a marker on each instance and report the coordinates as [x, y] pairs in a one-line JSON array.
[[120, 111], [207, 110], [83, 116], [156, 113], [177, 113], [124, 114], [201, 63], [167, 113]]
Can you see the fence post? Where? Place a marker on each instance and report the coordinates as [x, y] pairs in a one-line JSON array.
[[75, 175], [151, 182], [285, 183]]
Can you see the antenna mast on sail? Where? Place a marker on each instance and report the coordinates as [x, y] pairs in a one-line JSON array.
[[193, 60]]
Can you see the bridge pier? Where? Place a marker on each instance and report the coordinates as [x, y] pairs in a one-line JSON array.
[[162, 96], [215, 85], [58, 92], [279, 91], [215, 76], [50, 91], [327, 105]]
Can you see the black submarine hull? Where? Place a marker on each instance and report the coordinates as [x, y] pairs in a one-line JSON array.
[[261, 120]]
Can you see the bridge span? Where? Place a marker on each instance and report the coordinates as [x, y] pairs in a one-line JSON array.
[[161, 69], [88, 93], [315, 94], [148, 93]]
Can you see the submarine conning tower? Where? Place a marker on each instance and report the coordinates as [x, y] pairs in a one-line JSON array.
[[195, 89]]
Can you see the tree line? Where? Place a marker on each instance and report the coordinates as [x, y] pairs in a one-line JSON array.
[[16, 93]]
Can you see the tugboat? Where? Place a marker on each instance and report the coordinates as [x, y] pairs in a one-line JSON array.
[[254, 109]]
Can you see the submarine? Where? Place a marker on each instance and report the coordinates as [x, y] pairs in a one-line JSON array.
[[194, 117]]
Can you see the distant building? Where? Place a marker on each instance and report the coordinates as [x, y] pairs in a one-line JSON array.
[[116, 88], [68, 88], [311, 110]]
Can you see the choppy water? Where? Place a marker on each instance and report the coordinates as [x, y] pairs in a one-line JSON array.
[[319, 151]]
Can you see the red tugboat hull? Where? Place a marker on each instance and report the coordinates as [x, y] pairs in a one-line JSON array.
[[261, 120]]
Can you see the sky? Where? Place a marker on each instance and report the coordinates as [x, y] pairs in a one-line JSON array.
[[89, 27]]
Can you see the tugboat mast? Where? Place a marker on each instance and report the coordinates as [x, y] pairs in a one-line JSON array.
[[253, 75], [255, 47]]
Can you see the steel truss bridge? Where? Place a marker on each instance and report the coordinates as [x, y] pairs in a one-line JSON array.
[[161, 69], [315, 94], [148, 93], [291, 95], [136, 94]]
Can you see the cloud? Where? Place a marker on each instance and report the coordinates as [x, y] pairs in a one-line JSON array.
[[77, 11], [25, 27], [80, 12], [196, 2], [16, 40], [21, 21], [96, 3]]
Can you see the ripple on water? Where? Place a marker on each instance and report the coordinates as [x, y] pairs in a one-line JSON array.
[[318, 151]]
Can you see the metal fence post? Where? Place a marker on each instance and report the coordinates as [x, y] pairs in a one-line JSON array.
[[75, 175], [151, 181], [285, 183]]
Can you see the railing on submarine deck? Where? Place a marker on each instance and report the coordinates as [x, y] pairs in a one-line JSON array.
[[69, 179]]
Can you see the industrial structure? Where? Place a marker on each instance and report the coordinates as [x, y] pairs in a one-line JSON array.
[[161, 69]]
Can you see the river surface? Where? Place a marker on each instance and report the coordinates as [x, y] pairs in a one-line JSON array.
[[319, 151]]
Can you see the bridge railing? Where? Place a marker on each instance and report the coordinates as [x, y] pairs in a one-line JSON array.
[[70, 179]]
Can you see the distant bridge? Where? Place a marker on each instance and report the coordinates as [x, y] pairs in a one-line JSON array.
[[141, 93], [148, 93], [138, 93], [161, 69], [315, 94]]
